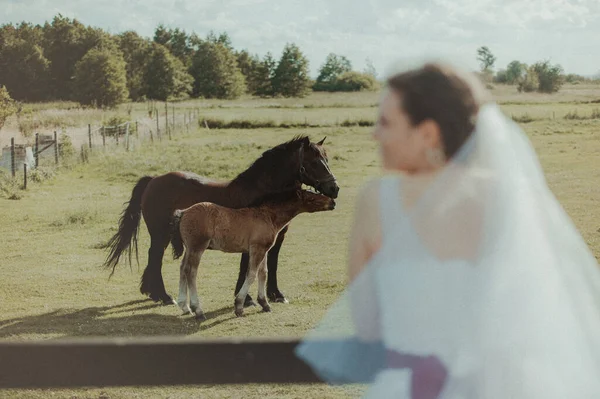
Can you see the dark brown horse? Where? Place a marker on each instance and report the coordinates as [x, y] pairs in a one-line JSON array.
[[282, 168], [253, 230]]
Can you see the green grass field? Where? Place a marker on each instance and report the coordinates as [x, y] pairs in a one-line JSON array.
[[53, 286]]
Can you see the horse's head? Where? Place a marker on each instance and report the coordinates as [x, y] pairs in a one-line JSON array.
[[314, 168]]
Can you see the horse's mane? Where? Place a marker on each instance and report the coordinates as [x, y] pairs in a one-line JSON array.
[[272, 158], [275, 198]]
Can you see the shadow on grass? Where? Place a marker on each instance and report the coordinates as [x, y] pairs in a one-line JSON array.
[[113, 321], [101, 321]]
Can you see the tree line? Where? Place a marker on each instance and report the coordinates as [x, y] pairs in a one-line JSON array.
[[66, 60], [541, 76]]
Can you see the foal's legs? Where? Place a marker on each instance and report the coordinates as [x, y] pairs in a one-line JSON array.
[[182, 299], [262, 286], [244, 261], [257, 255]]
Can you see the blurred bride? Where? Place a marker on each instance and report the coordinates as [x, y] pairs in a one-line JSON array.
[[467, 278]]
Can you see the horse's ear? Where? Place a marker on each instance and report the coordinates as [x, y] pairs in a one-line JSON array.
[[306, 142], [320, 143]]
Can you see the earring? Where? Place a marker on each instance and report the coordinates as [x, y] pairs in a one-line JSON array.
[[435, 157]]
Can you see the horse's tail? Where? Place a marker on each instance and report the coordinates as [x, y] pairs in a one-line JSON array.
[[129, 224], [176, 240]]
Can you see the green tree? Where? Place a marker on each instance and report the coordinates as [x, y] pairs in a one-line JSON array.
[[162, 35], [529, 81], [101, 78], [223, 38], [165, 76], [24, 70], [176, 41], [136, 51], [334, 66], [65, 43], [500, 76], [486, 58], [515, 72], [216, 72], [550, 77], [291, 77], [7, 106], [261, 79], [355, 81]]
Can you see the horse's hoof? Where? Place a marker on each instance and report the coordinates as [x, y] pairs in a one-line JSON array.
[[200, 317], [168, 300], [239, 312], [277, 297], [266, 309], [155, 298]]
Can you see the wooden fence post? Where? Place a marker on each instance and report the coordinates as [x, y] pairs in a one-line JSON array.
[[90, 135], [167, 119], [127, 136], [12, 156], [24, 175], [37, 148], [55, 148], [157, 125]]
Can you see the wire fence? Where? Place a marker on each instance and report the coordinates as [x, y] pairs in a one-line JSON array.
[[49, 149]]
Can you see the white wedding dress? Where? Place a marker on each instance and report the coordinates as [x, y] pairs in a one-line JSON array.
[[509, 304]]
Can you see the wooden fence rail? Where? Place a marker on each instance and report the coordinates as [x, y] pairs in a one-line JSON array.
[[104, 362]]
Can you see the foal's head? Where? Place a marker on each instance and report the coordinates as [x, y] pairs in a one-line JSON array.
[[310, 202]]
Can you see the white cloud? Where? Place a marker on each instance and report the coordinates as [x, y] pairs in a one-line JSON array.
[[382, 30]]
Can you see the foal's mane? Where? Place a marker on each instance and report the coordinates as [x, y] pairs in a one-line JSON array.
[[272, 158]]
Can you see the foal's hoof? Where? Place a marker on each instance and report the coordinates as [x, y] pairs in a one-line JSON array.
[[185, 309], [264, 304], [277, 297], [200, 317], [239, 312]]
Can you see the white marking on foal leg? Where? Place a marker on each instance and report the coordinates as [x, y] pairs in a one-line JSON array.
[[182, 299], [241, 296], [194, 261]]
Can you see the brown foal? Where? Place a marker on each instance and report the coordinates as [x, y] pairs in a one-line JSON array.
[[254, 230]]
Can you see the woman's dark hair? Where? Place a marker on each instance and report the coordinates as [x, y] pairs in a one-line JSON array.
[[437, 92]]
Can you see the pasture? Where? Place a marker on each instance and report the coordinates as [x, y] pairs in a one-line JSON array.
[[52, 284]]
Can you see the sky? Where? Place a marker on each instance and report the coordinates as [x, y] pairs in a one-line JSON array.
[[384, 31]]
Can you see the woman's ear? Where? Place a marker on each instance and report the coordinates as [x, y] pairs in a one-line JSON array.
[[430, 133]]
